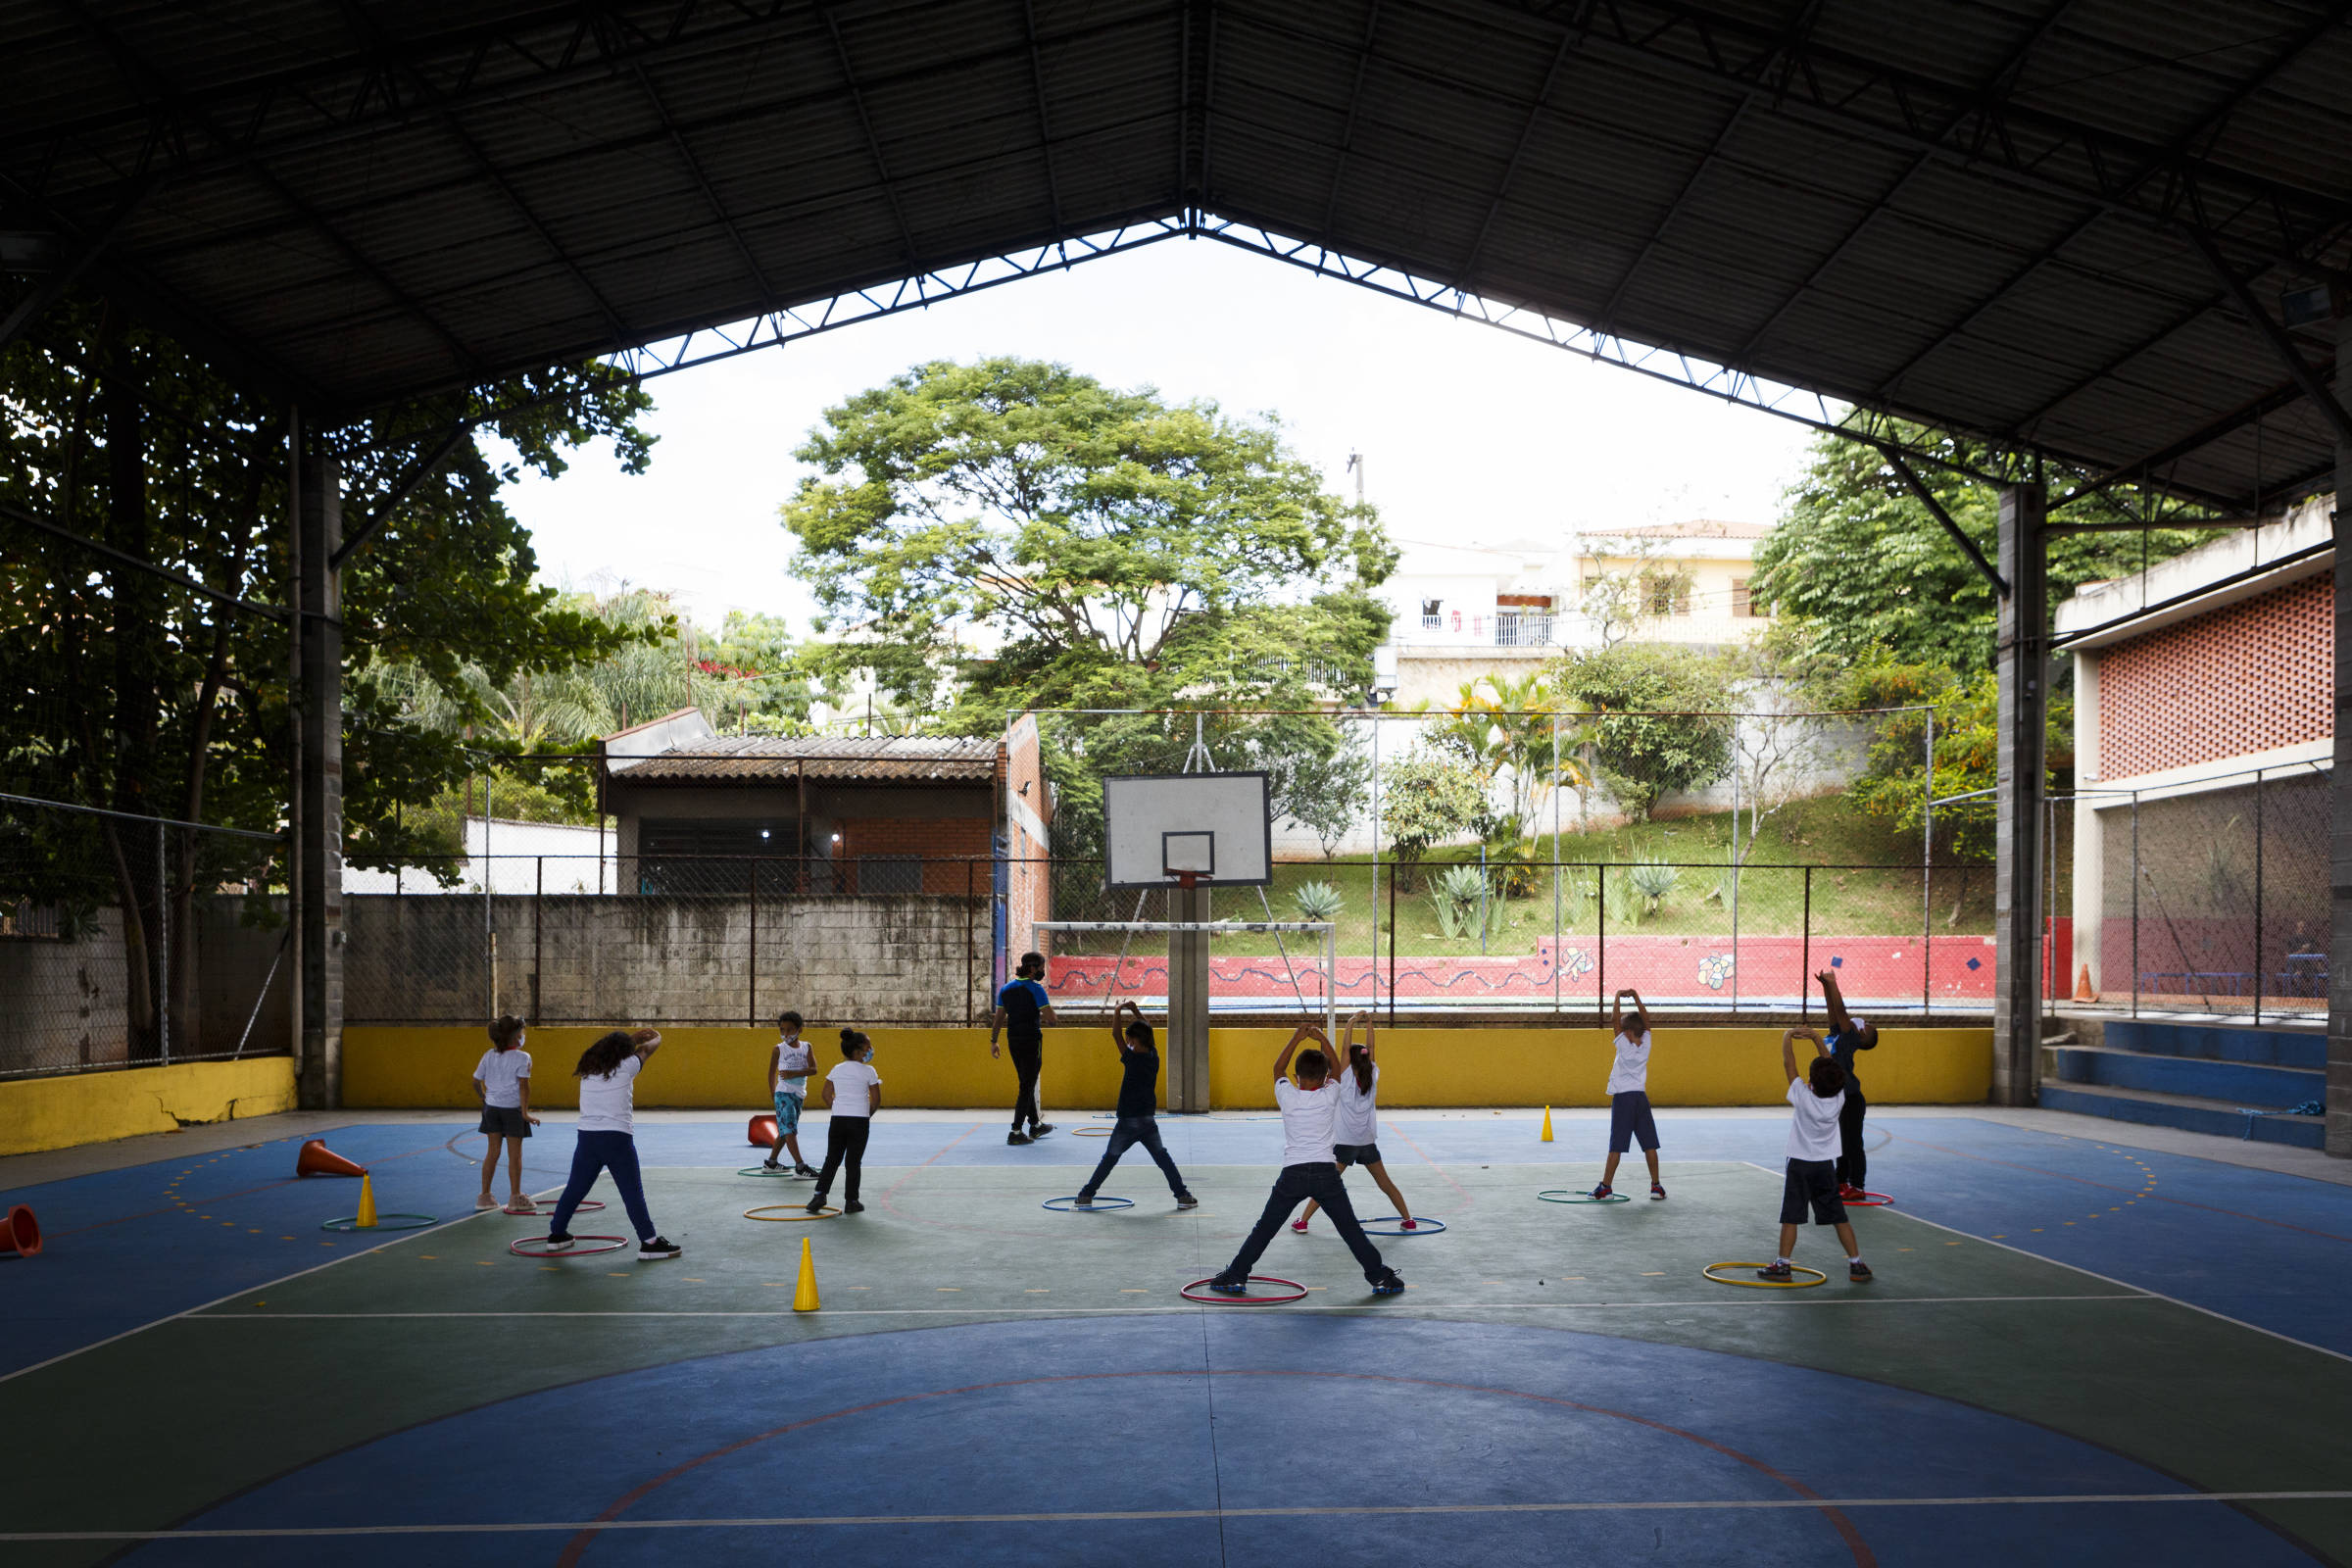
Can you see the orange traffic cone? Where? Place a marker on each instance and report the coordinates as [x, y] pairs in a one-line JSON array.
[[317, 1160], [2082, 991], [763, 1132], [20, 1233]]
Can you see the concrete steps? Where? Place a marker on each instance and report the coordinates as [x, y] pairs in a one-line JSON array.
[[2228, 1082]]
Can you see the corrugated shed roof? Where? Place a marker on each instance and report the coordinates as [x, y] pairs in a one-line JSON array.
[[893, 760], [1983, 214]]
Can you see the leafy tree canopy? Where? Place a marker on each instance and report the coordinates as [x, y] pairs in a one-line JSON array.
[[1658, 723], [1864, 564], [1013, 534]]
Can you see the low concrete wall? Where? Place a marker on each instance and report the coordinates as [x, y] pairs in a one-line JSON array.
[[94, 1107], [725, 1068]]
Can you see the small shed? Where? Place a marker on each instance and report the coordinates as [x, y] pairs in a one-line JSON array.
[[704, 812]]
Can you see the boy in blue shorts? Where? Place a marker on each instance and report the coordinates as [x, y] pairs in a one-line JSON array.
[[789, 1065], [1629, 1095]]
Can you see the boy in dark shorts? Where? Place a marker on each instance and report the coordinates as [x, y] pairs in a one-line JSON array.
[[1139, 1110], [1630, 1118], [1815, 1103], [1309, 1112], [1023, 1009]]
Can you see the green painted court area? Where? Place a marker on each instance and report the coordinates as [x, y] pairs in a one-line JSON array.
[[988, 1380]]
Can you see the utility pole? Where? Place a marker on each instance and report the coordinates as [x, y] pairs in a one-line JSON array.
[[1355, 466]]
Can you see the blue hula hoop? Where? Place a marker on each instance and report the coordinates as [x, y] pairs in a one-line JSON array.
[[1069, 1205], [1421, 1227]]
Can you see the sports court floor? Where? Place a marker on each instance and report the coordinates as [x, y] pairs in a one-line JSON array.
[[2076, 1350]]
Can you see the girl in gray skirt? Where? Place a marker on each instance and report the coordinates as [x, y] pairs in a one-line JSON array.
[[502, 1083]]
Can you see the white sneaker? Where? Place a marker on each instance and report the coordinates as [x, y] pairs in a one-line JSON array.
[[485, 1201]]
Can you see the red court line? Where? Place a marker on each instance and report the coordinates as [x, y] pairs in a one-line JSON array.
[[579, 1544], [2134, 1192]]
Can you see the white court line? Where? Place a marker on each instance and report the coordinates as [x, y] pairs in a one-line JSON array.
[[1677, 1505], [1071, 1311], [222, 1301], [2092, 1273]]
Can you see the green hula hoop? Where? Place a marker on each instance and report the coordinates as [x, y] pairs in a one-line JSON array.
[[384, 1222], [1561, 1195]]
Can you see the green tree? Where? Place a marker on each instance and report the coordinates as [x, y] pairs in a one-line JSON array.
[[1658, 722], [1507, 730], [127, 691], [1012, 534], [1427, 796], [1863, 563]]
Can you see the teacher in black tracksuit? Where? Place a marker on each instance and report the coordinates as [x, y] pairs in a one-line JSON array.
[[1848, 1036], [1023, 1009]]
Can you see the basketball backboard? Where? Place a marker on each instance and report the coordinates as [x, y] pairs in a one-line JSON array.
[[1161, 827]]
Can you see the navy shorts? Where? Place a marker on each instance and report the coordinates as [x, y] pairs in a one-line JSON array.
[[1346, 1154], [1812, 1184], [504, 1121], [1628, 1119]]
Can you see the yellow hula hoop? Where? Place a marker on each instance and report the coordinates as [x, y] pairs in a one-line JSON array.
[[799, 1211], [1819, 1278]]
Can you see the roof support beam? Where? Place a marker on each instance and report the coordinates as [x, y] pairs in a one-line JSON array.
[[404, 487], [2281, 344], [1527, 130], [1045, 122], [53, 287], [702, 182], [1355, 100], [1926, 499], [2237, 418], [866, 123]]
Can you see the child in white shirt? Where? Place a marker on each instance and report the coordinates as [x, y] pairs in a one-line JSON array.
[[1815, 1103], [852, 1093], [605, 1141], [789, 1065], [1630, 1119], [1355, 1130], [1309, 1110], [502, 1082]]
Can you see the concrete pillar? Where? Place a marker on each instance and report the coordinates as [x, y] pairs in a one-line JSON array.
[[2090, 837], [2339, 956], [1187, 1002], [2017, 913], [317, 861]]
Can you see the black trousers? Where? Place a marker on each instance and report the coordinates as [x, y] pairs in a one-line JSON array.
[[1125, 1134], [1294, 1186], [1853, 1165], [844, 1145], [1028, 1060]]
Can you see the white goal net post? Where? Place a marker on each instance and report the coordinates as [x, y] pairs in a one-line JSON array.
[[1328, 930]]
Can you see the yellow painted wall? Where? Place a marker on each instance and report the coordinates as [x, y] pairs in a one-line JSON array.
[[93, 1107], [725, 1068]]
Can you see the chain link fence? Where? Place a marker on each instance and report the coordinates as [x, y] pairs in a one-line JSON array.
[[129, 941], [2213, 897]]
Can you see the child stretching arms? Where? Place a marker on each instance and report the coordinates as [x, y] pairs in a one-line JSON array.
[[1355, 1130], [1629, 1095], [608, 1074], [1812, 1180]]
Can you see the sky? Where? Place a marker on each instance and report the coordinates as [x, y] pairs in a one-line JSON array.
[[1469, 434]]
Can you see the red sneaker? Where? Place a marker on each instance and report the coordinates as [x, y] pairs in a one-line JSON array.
[[1850, 1192], [1300, 1226]]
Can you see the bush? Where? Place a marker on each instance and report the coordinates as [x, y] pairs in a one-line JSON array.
[[1460, 898], [1317, 901], [1652, 878], [1659, 724]]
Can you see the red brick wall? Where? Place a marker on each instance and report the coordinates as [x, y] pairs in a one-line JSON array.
[[2253, 675], [946, 844]]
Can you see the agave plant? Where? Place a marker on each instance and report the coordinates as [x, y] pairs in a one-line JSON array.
[[1317, 901], [1463, 902], [1653, 879]]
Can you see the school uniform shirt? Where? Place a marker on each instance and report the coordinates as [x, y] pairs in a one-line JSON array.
[[1309, 1116], [794, 1064], [1139, 1090], [500, 1075], [607, 1104], [1357, 1121], [1630, 1072], [1023, 1001], [1813, 1130], [854, 1083]]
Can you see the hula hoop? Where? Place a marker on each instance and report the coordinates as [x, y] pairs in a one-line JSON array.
[[1216, 1299], [1819, 1278], [519, 1248], [542, 1207], [1090, 1132], [1561, 1195], [1100, 1204], [778, 1175], [799, 1211], [384, 1222], [1421, 1227], [1869, 1199]]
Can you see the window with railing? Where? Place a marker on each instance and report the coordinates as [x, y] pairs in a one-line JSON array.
[[1432, 615], [1522, 631]]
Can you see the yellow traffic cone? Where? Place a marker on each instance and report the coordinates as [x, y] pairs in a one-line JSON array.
[[1547, 1138], [367, 1220], [804, 1294]]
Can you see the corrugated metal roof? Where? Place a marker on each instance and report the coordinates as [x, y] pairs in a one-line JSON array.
[[1983, 214], [894, 760]]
